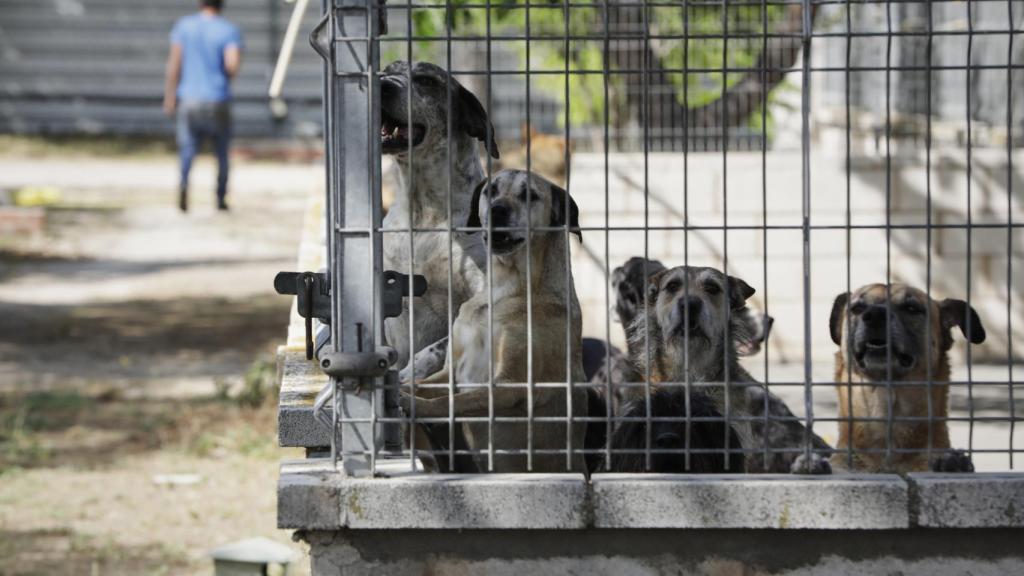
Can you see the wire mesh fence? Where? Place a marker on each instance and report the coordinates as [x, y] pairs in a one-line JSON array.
[[705, 236]]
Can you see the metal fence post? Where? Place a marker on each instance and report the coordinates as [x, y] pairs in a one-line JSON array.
[[348, 40]]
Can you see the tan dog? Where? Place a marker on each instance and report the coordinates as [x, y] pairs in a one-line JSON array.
[[919, 328], [501, 205]]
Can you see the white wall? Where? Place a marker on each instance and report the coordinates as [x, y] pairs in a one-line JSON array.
[[751, 199]]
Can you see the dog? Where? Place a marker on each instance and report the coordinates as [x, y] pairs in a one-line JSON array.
[[629, 282], [420, 131], [682, 337], [896, 333], [502, 206], [420, 144], [669, 433]]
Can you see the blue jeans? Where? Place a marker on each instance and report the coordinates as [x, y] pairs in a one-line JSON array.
[[198, 121]]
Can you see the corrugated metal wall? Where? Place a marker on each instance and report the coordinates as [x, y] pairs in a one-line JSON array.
[[96, 67]]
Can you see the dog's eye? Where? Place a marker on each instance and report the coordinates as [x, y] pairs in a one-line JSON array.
[[673, 286], [431, 81], [712, 288], [912, 307], [533, 196], [858, 308]]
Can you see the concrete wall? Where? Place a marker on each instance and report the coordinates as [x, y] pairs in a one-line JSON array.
[[734, 191], [711, 552]]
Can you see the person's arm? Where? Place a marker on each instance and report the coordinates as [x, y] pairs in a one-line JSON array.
[[232, 60], [172, 75]]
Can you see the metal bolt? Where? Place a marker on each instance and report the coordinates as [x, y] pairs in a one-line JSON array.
[[325, 363]]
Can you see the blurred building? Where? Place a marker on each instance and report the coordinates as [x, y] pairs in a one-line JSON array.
[[97, 67]]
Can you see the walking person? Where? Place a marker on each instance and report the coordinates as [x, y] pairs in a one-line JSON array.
[[205, 54]]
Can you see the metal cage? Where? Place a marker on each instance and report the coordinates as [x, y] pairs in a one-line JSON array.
[[807, 146]]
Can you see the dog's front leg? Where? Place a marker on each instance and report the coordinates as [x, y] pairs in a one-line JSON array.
[[475, 402], [426, 395], [426, 362]]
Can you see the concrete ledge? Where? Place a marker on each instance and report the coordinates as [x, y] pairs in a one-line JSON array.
[[301, 381], [311, 495], [969, 500], [421, 501], [735, 501]]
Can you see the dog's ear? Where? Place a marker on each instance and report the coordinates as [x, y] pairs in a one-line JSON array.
[[759, 327], [959, 313], [654, 285], [474, 207], [473, 120], [739, 292], [654, 266], [835, 319], [564, 207]]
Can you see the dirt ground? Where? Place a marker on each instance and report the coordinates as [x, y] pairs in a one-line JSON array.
[[137, 407]]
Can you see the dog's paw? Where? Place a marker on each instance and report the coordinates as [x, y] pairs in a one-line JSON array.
[[956, 461], [405, 375], [816, 465], [405, 402]]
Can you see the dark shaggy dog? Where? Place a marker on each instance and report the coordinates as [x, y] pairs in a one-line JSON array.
[[668, 438]]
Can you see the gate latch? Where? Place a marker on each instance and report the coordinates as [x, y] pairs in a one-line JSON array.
[[313, 295], [396, 287], [313, 292]]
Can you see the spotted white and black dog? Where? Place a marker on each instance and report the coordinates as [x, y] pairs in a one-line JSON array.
[[432, 126]]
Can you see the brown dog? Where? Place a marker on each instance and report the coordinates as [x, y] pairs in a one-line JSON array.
[[919, 329]]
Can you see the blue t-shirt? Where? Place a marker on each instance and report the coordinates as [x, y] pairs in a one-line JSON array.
[[203, 39]]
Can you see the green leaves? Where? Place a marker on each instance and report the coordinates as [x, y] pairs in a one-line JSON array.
[[688, 46]]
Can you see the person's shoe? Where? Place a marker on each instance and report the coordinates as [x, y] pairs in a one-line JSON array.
[[222, 205], [183, 199]]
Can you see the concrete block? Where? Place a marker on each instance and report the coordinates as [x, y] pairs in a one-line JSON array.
[[308, 496], [534, 501], [301, 380], [774, 501], [312, 496], [991, 500]]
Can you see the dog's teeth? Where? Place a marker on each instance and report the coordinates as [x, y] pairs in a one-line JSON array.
[[394, 133]]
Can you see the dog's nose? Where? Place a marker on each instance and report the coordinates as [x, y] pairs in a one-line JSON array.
[[389, 88], [874, 315], [689, 308], [499, 214], [668, 440]]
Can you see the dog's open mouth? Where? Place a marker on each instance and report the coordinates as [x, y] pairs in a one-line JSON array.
[[395, 135], [503, 243], [875, 353]]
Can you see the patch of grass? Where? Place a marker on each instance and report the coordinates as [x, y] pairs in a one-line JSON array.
[[67, 552], [260, 383], [202, 445], [43, 410], [18, 446]]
